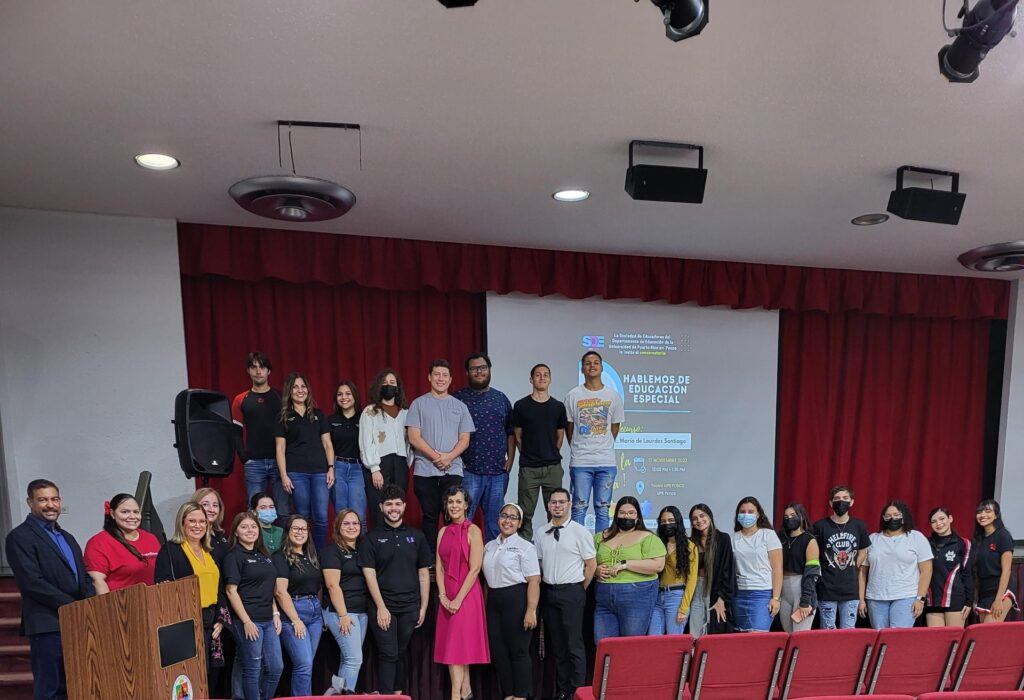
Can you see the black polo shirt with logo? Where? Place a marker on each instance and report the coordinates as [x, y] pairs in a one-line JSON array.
[[304, 450], [256, 578], [396, 554]]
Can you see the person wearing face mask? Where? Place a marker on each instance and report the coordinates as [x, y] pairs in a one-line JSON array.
[[898, 570], [678, 580], [758, 555], [800, 570], [383, 444], [264, 508], [122, 554], [629, 559], [843, 544]]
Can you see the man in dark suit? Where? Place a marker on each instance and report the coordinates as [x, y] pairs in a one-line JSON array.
[[49, 571]]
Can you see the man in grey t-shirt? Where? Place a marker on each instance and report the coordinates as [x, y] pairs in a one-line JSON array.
[[439, 426]]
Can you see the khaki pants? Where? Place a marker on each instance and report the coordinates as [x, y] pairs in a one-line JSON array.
[[531, 480]]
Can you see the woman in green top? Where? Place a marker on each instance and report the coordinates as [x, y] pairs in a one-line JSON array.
[[266, 512], [629, 559]]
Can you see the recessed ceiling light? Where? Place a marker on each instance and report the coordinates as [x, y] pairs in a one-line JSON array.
[[157, 161], [571, 195], [869, 219]]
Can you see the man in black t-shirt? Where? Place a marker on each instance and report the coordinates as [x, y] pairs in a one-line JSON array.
[[395, 559], [539, 423], [843, 542], [258, 411]]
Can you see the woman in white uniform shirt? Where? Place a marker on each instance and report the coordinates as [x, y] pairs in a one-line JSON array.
[[513, 576]]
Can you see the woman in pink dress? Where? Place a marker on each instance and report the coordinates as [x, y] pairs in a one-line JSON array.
[[461, 635]]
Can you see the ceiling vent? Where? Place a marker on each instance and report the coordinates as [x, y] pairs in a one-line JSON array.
[[293, 198], [1000, 257]]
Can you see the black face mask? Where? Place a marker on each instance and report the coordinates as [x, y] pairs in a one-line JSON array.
[[840, 508], [389, 392], [667, 530], [626, 524], [894, 524], [790, 524]]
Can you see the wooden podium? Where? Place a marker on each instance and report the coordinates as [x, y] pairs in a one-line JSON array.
[[142, 642]]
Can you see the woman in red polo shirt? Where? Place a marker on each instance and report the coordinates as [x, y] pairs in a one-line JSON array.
[[121, 554]]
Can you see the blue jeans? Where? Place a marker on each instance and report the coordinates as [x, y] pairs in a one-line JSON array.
[[663, 617], [351, 645], [257, 473], [487, 492], [302, 651], [310, 494], [624, 609], [259, 657], [891, 613], [598, 480], [844, 612], [349, 490], [751, 611]]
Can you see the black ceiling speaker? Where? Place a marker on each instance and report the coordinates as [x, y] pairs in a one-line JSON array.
[[923, 204], [293, 198], [457, 3], [663, 183]]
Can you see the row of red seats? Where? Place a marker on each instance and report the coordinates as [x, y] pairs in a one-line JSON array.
[[815, 663]]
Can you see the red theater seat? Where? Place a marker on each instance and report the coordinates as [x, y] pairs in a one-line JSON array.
[[991, 657], [648, 668], [973, 695], [349, 697], [913, 661], [826, 661], [730, 666], [860, 697]]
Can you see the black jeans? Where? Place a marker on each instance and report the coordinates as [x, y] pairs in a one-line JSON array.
[[563, 622], [429, 490], [395, 470], [510, 643], [393, 649]]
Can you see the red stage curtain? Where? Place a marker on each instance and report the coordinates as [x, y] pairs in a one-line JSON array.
[[389, 263], [894, 407], [329, 333]]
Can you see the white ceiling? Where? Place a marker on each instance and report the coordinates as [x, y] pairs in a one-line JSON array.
[[472, 117]]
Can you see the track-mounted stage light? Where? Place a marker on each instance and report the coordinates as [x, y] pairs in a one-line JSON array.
[[683, 18], [984, 27]]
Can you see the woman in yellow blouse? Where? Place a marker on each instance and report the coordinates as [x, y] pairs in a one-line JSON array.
[[629, 559], [678, 579]]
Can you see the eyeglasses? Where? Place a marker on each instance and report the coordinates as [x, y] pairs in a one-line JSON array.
[[558, 503], [508, 516], [299, 529], [479, 369]]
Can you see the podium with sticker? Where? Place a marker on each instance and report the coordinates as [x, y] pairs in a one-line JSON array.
[[142, 642]]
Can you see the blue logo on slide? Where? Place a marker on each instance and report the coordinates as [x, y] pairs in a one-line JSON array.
[[593, 341]]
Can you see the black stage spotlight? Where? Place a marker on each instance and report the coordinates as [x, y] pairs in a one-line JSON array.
[[457, 3], [984, 27], [920, 204], [683, 18], [662, 183]]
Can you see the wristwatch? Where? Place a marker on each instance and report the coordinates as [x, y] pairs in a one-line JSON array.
[[922, 599]]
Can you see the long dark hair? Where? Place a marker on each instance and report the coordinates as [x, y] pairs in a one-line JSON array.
[[934, 536], [111, 528], [336, 530], [709, 547], [613, 530], [762, 520], [374, 391], [451, 492], [355, 396], [259, 546], [680, 539], [307, 549], [997, 524], [287, 409]]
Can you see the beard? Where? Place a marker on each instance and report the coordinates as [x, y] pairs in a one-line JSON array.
[[479, 384]]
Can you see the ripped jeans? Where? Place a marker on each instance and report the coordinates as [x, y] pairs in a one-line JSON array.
[[598, 480]]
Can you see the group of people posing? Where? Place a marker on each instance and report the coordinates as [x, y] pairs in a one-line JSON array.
[[278, 574]]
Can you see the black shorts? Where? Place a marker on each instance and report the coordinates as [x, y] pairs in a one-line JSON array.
[[986, 598], [957, 602]]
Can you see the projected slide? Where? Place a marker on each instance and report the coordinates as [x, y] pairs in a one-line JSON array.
[[698, 386]]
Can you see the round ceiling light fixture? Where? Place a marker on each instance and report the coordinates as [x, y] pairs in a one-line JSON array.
[[293, 198], [869, 219], [156, 161], [571, 195], [999, 257]]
